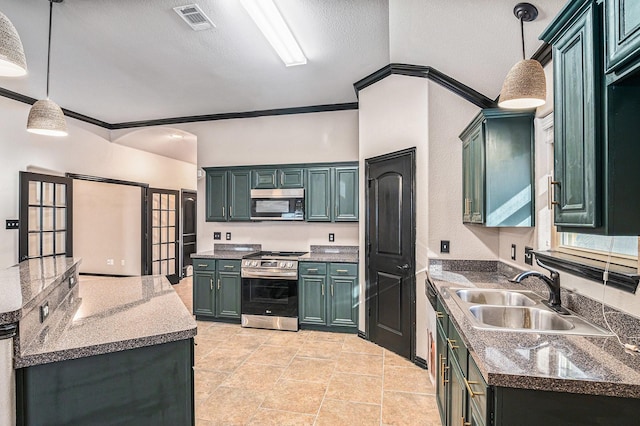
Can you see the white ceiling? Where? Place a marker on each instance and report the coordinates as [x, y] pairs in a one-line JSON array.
[[130, 60]]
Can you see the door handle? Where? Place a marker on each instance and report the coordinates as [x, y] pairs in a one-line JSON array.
[[404, 267]]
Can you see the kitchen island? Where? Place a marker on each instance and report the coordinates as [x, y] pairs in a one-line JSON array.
[[100, 350], [531, 377]]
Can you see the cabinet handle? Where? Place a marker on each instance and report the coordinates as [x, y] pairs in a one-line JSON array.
[[323, 289], [230, 211], [281, 179], [552, 201], [466, 206], [443, 370], [229, 266], [331, 290], [452, 344], [218, 283], [312, 270], [202, 265], [471, 392], [465, 423], [342, 271], [211, 283], [224, 212], [439, 314]]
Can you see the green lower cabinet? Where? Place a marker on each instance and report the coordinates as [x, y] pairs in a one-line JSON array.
[[327, 300], [457, 395], [442, 368], [216, 289]]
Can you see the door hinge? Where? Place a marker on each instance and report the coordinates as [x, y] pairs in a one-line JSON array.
[[369, 182], [369, 313]]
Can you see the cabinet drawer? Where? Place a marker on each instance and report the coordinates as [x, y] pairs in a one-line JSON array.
[[350, 269], [229, 265], [457, 347], [308, 268], [204, 264], [478, 387]]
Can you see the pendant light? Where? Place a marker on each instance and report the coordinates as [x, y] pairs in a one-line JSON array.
[[12, 60], [45, 116], [525, 86]]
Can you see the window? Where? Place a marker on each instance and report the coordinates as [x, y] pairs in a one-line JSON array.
[[624, 249]]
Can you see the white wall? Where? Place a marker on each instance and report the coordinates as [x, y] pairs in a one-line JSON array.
[[285, 139], [394, 115], [86, 150]]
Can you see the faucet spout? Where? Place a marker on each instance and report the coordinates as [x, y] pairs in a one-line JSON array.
[[553, 282]]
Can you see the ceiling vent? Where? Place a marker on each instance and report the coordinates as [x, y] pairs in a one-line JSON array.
[[195, 17]]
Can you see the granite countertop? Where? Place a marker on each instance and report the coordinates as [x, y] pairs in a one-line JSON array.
[[28, 283], [109, 315], [341, 254], [550, 362], [228, 251]]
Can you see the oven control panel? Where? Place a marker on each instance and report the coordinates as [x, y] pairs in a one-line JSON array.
[[270, 264]]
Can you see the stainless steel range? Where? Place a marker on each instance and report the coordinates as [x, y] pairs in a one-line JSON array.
[[270, 290]]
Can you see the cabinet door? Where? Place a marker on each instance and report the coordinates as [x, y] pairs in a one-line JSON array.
[[216, 196], [228, 294], [203, 293], [346, 194], [476, 194], [318, 197], [291, 178], [576, 148], [442, 373], [623, 32], [239, 195], [466, 182], [343, 296], [457, 394], [313, 300], [264, 178]]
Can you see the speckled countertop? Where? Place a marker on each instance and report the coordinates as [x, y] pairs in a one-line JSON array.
[[109, 315], [228, 251], [342, 254], [551, 362]]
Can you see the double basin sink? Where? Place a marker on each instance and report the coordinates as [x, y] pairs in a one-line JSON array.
[[518, 310]]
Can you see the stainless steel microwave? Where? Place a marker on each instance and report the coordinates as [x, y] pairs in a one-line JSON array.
[[277, 204]]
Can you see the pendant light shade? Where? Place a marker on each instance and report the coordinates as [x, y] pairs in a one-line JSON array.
[[12, 60], [46, 118], [525, 86]]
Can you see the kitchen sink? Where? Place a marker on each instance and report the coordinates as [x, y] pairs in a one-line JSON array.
[[518, 311], [519, 317], [494, 297]]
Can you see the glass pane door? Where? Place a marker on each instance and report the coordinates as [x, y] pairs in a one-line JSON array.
[[163, 212]]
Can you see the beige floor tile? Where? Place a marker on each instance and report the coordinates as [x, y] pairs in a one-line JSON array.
[[391, 358], [272, 355], [401, 408], [264, 417], [355, 388], [224, 358], [327, 336], [206, 381], [230, 406], [254, 376], [360, 364], [310, 369], [287, 338], [358, 345], [200, 422], [257, 332], [337, 413], [301, 397], [407, 379], [245, 341], [320, 349], [216, 333]]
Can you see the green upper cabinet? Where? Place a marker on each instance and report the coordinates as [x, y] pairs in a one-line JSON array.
[[277, 178], [623, 32], [228, 195], [239, 195], [346, 194], [595, 120], [216, 195], [332, 194], [498, 186], [318, 194]]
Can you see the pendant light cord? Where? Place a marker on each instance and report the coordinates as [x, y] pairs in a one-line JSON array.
[[521, 36], [49, 46]]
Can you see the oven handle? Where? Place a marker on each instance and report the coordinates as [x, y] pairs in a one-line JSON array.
[[247, 274]]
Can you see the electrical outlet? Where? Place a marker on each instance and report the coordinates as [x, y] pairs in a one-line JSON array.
[[332, 237], [228, 236], [44, 311], [110, 262], [217, 235], [513, 252], [122, 262], [13, 224], [528, 255], [444, 246]]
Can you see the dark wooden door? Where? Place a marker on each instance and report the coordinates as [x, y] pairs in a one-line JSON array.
[[390, 264], [189, 204], [164, 221]]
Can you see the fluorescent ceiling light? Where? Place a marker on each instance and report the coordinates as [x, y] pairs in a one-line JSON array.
[[267, 17]]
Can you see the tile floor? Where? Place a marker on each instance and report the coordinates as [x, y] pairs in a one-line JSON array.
[[263, 377]]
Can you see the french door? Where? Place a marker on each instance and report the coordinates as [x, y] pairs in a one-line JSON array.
[[164, 231]]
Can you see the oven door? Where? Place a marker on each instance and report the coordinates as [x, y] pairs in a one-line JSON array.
[[270, 297]]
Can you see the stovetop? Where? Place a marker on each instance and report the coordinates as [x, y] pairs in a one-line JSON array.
[[287, 255]]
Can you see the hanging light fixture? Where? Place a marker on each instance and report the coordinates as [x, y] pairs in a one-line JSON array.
[[45, 116], [12, 60], [525, 85]]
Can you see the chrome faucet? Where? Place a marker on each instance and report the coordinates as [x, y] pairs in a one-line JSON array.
[[552, 282]]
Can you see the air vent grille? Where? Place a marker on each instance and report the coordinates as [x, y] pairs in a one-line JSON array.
[[194, 16]]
